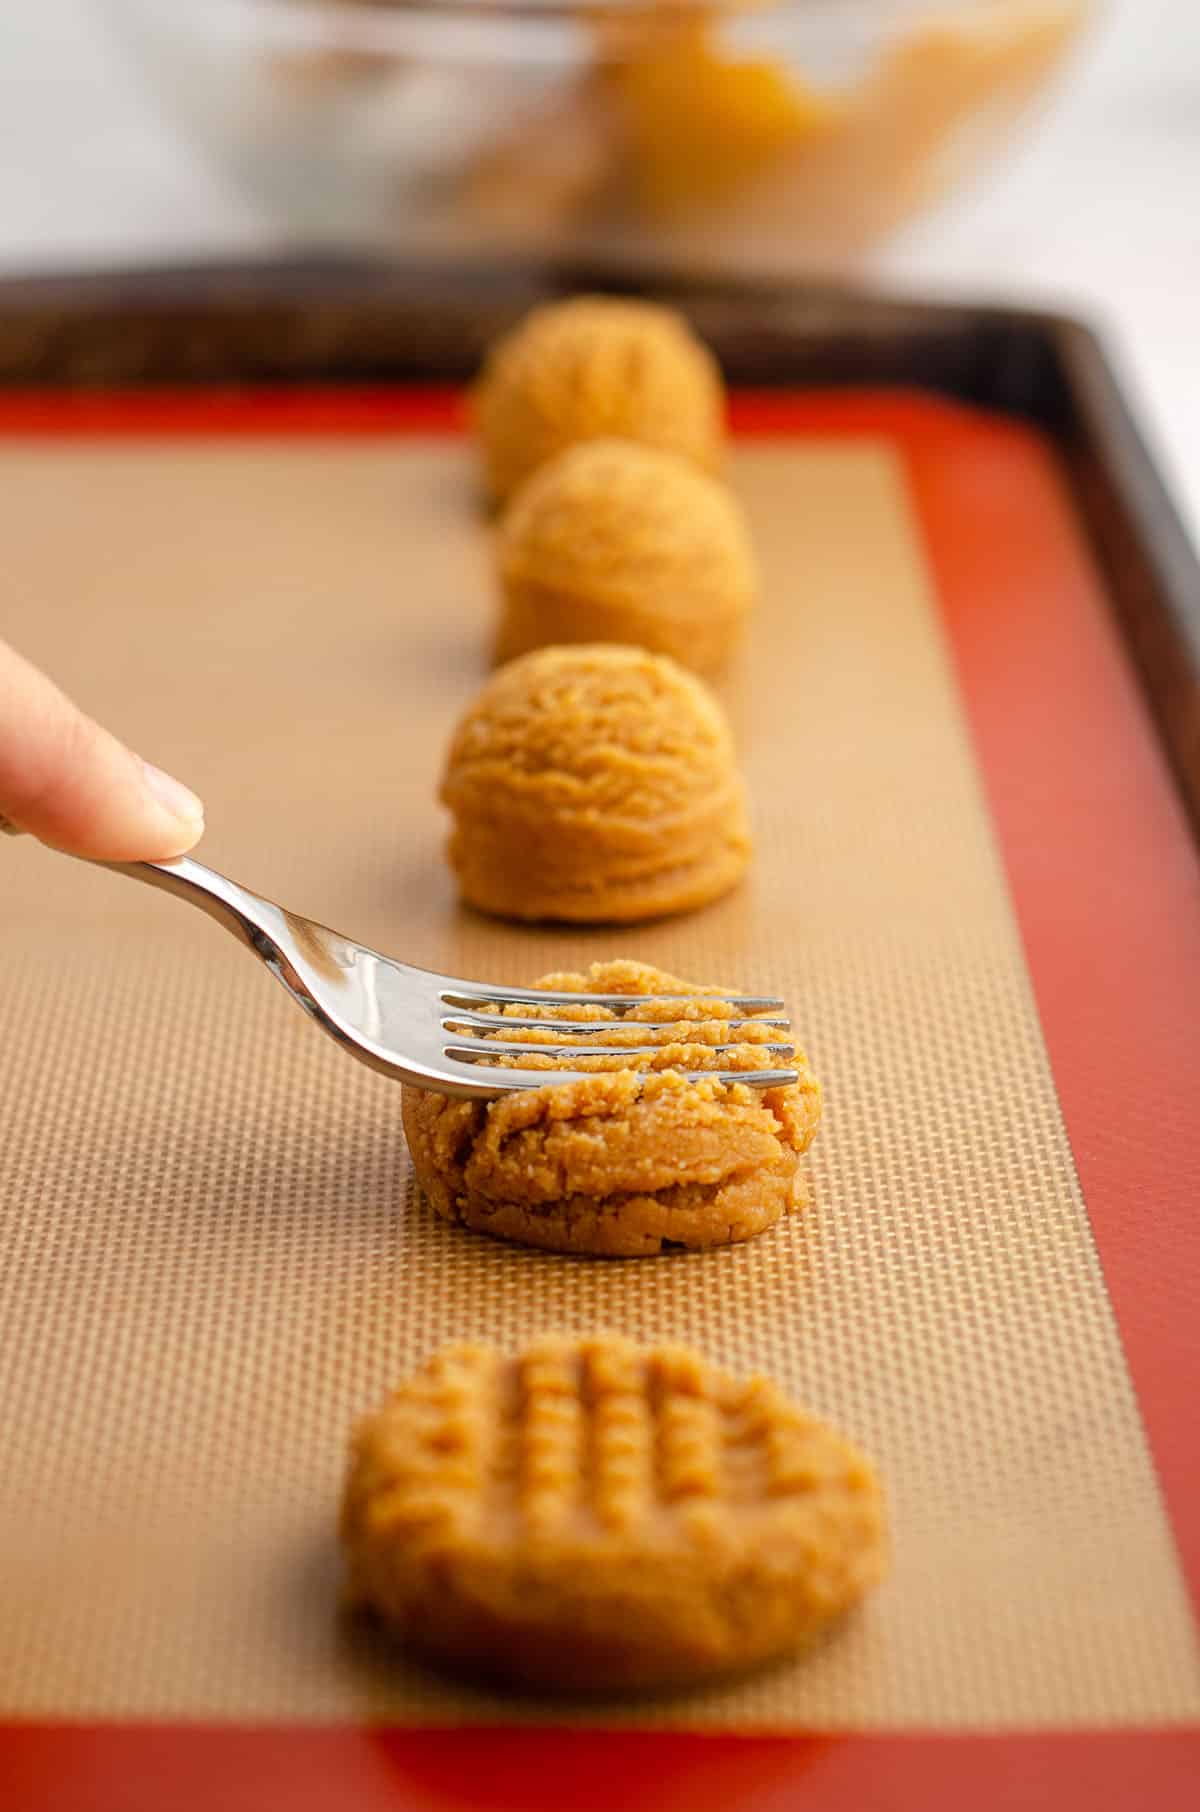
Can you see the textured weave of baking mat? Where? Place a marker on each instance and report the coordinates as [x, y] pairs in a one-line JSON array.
[[213, 1257]]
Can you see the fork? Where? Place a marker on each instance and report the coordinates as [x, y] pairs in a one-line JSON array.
[[407, 1022]]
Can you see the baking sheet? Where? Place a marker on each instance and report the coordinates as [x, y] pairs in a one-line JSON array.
[[214, 1256]]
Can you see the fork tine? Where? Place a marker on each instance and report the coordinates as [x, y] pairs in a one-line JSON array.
[[481, 1050], [583, 1027], [468, 995], [478, 1080]]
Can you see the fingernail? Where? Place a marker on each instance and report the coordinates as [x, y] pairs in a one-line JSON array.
[[175, 798]]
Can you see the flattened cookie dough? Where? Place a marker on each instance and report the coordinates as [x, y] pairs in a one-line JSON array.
[[593, 1514], [594, 784], [592, 367], [632, 1160], [612, 542]]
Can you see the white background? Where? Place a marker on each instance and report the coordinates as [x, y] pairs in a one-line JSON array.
[[1099, 211]]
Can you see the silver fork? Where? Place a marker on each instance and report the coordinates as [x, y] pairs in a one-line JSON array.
[[409, 1023]]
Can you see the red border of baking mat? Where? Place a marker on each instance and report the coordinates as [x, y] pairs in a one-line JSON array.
[[1106, 886]]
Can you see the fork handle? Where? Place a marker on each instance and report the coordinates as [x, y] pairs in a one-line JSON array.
[[243, 913]]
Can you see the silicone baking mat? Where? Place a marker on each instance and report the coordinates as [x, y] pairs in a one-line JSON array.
[[972, 883]]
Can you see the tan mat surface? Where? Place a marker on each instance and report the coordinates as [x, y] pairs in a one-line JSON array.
[[212, 1258]]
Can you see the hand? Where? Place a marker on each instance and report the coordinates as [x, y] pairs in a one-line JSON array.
[[71, 784]]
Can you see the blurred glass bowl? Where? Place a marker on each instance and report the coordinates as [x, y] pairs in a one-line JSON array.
[[645, 134]]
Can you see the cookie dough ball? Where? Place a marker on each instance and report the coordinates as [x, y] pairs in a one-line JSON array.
[[715, 1526], [596, 785], [593, 367], [633, 1159], [613, 542]]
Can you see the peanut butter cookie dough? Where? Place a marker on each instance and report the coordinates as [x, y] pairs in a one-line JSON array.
[[590, 368], [634, 1159], [594, 1514], [594, 784], [614, 542]]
